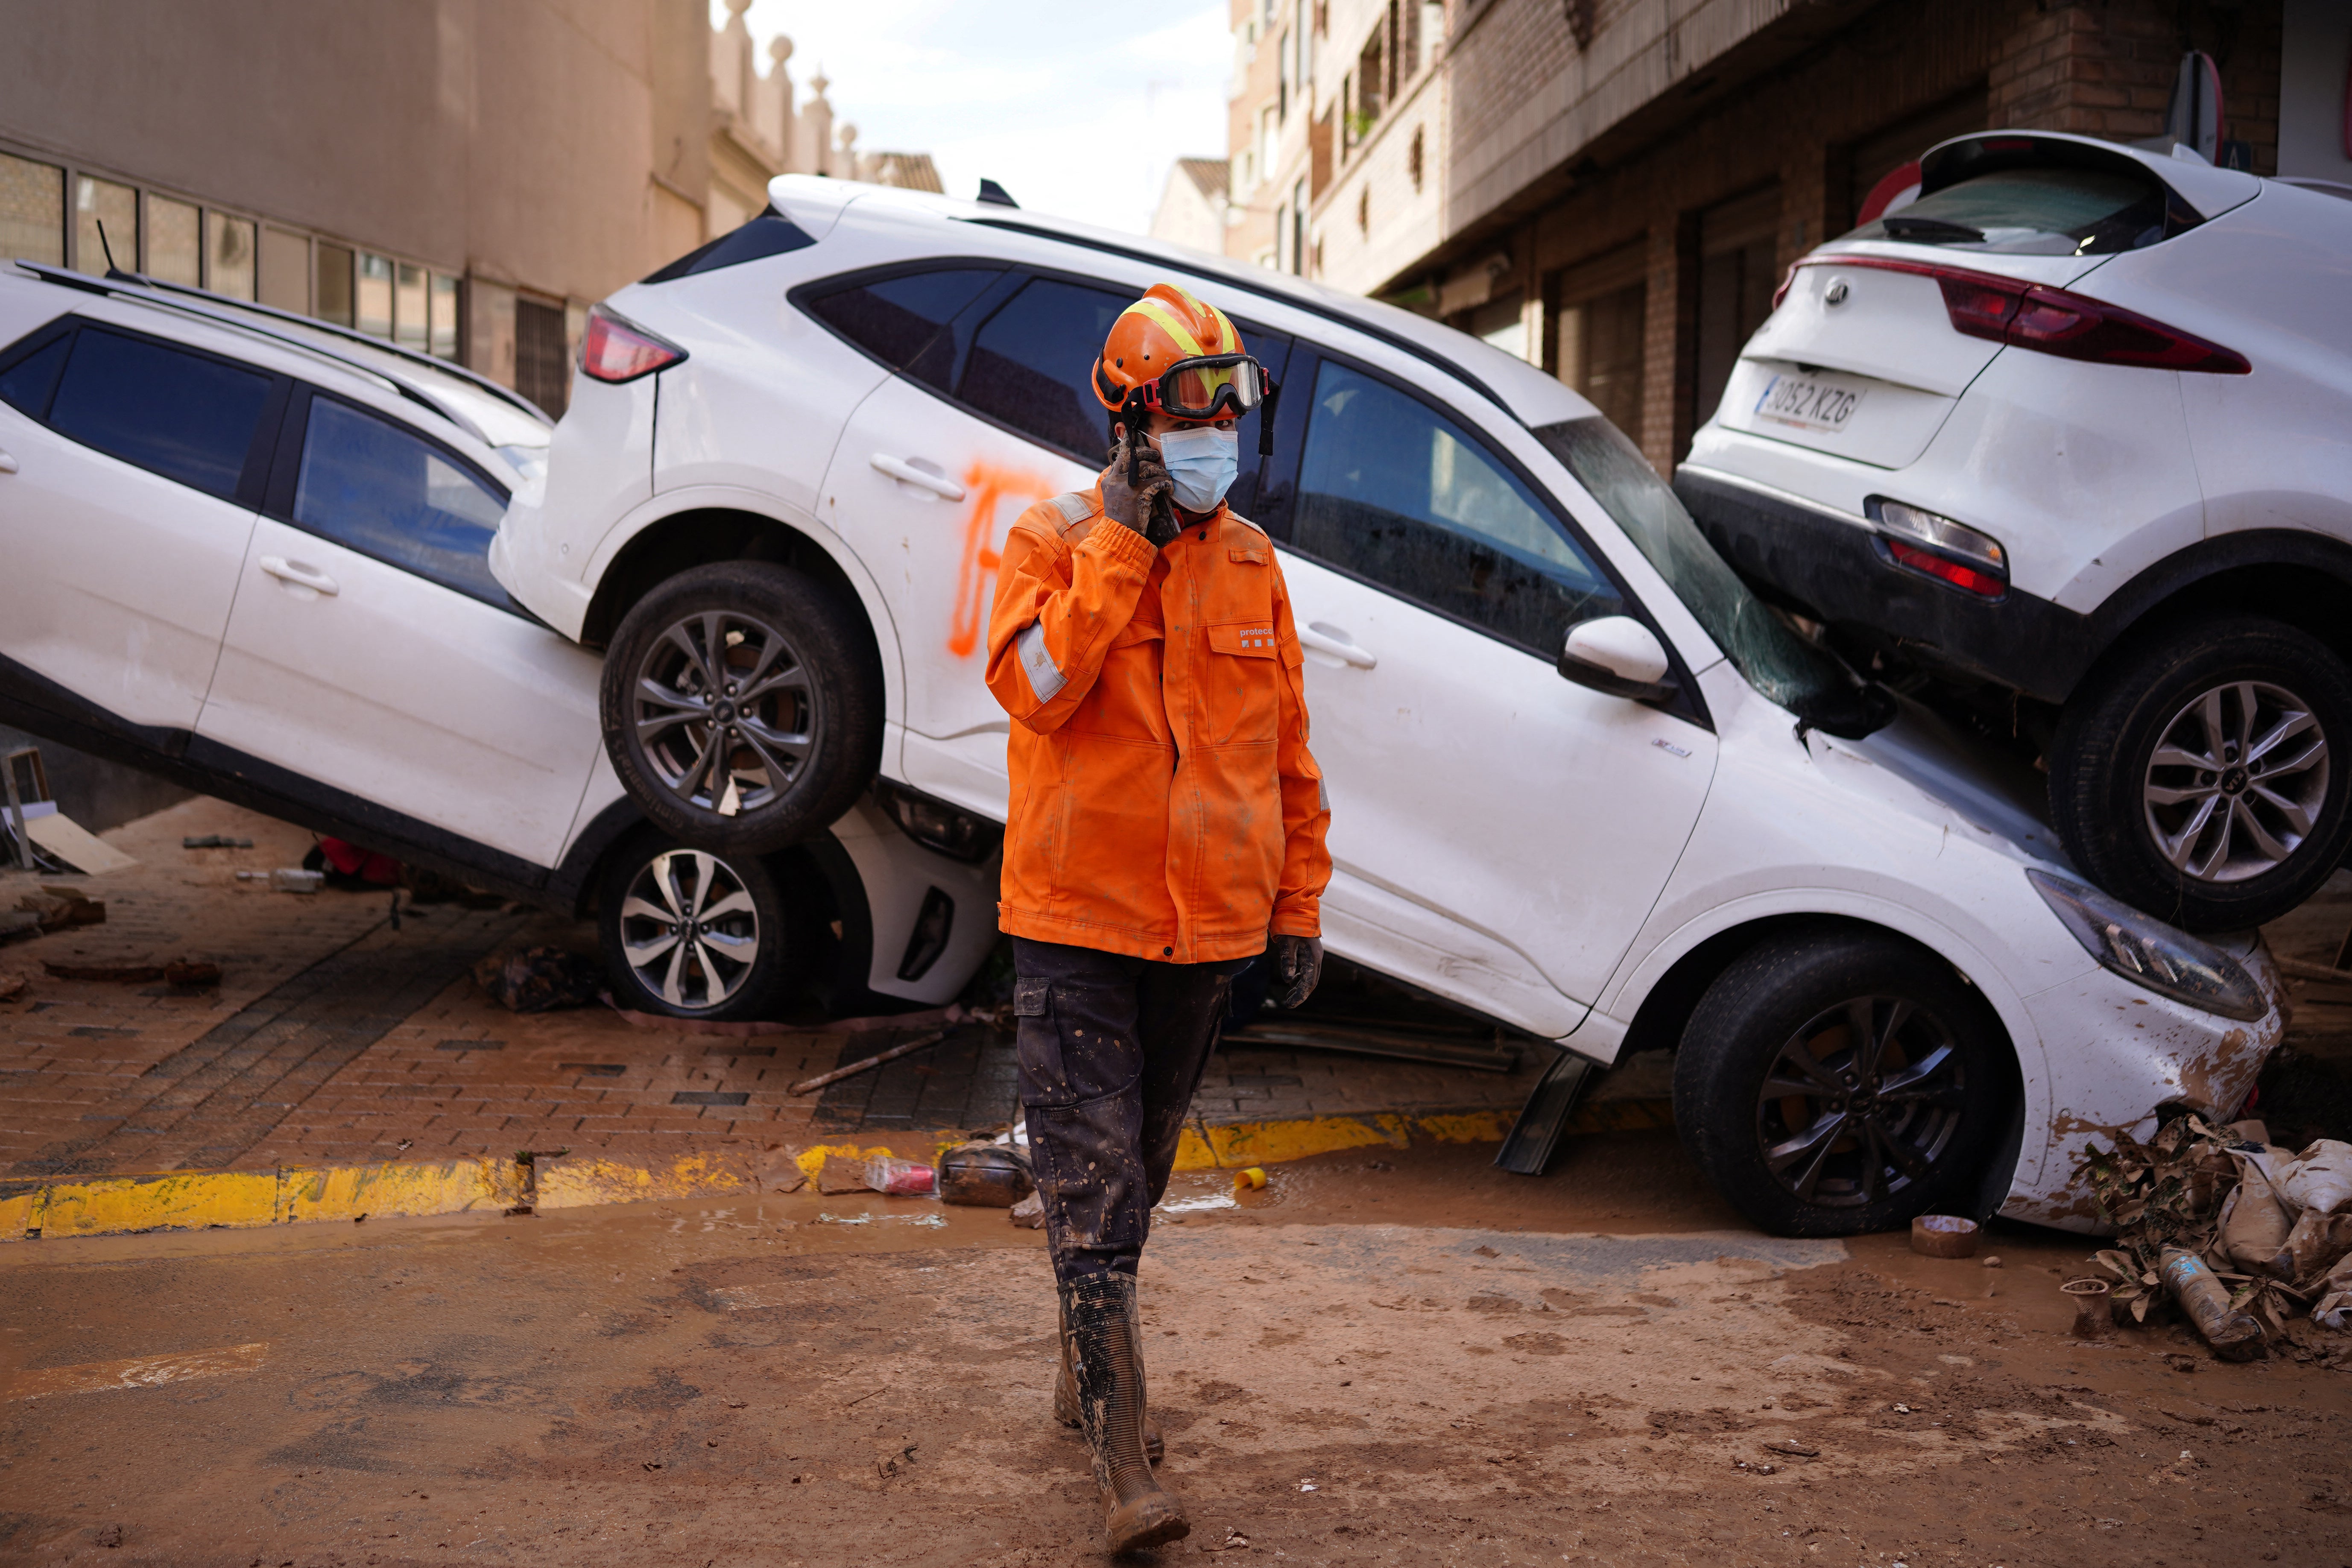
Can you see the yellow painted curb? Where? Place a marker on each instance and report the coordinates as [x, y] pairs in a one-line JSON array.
[[294, 1195], [175, 1200], [346, 1192]]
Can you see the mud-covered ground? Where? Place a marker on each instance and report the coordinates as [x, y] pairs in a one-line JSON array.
[[1399, 1358]]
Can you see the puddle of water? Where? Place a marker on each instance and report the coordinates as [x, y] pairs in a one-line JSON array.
[[1196, 1206], [934, 1221]]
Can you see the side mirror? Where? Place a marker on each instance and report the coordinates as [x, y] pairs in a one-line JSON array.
[[1620, 655]]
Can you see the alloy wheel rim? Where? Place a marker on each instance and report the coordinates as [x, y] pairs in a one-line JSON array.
[[2236, 782], [1860, 1102], [689, 930], [725, 712]]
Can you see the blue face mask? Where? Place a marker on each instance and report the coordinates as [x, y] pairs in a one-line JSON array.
[[1203, 462]]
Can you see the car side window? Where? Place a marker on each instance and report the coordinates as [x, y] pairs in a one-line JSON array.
[[183, 415], [367, 483], [26, 385], [1032, 365], [899, 321], [1394, 492]]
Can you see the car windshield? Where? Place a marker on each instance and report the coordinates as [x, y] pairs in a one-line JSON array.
[[1775, 661], [2036, 212]]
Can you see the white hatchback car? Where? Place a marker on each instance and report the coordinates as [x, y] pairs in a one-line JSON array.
[[1582, 783], [2063, 444], [245, 550]]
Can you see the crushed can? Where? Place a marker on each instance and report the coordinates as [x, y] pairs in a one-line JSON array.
[[899, 1178]]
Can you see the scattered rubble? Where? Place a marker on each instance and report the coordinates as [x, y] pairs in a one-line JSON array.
[[2251, 1241], [540, 979], [181, 973]]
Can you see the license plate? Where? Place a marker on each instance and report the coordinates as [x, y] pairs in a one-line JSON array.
[[1809, 403]]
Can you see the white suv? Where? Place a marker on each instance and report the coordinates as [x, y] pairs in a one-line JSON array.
[[1582, 783], [245, 550], [2063, 444]]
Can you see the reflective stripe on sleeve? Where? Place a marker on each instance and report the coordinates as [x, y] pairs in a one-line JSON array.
[[1043, 679], [1322, 794]]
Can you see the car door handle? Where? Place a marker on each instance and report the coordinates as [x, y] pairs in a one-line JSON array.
[[7, 464], [1317, 637], [297, 573], [937, 484]]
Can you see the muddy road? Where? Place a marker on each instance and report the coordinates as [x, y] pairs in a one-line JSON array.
[[1402, 1359]]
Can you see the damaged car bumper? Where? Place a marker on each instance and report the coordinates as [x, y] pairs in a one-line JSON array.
[[2136, 1057]]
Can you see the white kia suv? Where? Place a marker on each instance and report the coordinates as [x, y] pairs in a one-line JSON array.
[[2061, 444], [1583, 784], [245, 550]]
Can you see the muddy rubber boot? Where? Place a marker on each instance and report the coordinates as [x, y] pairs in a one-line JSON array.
[[1066, 1404], [1107, 1376]]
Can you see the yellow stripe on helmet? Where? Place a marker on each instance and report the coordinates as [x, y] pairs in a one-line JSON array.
[[1153, 310]]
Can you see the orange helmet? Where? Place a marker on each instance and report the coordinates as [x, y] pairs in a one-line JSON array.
[[1172, 353]]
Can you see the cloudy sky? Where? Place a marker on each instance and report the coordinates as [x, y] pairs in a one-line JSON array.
[[1076, 107]]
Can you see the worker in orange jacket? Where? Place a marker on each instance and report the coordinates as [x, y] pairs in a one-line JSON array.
[[1167, 827]]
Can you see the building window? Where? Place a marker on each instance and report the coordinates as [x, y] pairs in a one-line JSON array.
[[175, 243], [1736, 279], [542, 371], [31, 210], [229, 255], [286, 271], [1364, 209], [106, 220], [1372, 73], [1413, 158], [1282, 76], [1600, 311], [374, 298], [1298, 228], [1281, 233], [335, 293], [409, 327], [444, 317]]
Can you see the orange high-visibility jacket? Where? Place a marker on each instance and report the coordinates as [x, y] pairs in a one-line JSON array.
[[1164, 802]]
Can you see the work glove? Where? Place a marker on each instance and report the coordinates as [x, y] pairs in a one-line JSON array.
[[1298, 965], [1148, 504]]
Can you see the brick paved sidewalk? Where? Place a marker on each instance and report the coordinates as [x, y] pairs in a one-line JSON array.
[[335, 1039]]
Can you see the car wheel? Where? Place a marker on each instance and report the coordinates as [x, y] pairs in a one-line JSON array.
[[2201, 774], [691, 934], [1840, 1082], [742, 708]]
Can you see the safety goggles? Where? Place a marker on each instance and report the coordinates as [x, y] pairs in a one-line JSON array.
[[1213, 386]]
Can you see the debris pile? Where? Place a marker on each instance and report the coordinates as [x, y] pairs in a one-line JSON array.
[[540, 979], [54, 908], [2253, 1243]]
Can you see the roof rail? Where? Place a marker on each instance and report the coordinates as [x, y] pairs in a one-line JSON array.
[[1238, 279], [116, 277]]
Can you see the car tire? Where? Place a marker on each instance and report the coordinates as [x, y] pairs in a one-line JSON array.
[[815, 718], [1909, 1135], [747, 936], [2219, 848]]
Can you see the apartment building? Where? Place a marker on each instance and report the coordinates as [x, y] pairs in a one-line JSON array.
[[1612, 189], [459, 177]]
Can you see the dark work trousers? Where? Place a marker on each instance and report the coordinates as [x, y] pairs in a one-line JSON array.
[[1111, 1049]]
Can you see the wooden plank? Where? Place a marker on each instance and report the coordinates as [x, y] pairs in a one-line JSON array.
[[70, 842]]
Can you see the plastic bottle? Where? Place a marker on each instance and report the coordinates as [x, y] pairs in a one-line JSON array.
[[2232, 1333]]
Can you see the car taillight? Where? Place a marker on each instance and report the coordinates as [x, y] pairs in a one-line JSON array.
[[2056, 320], [1925, 541], [1951, 571], [616, 349]]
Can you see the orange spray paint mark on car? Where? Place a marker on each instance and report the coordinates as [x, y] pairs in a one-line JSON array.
[[989, 487]]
